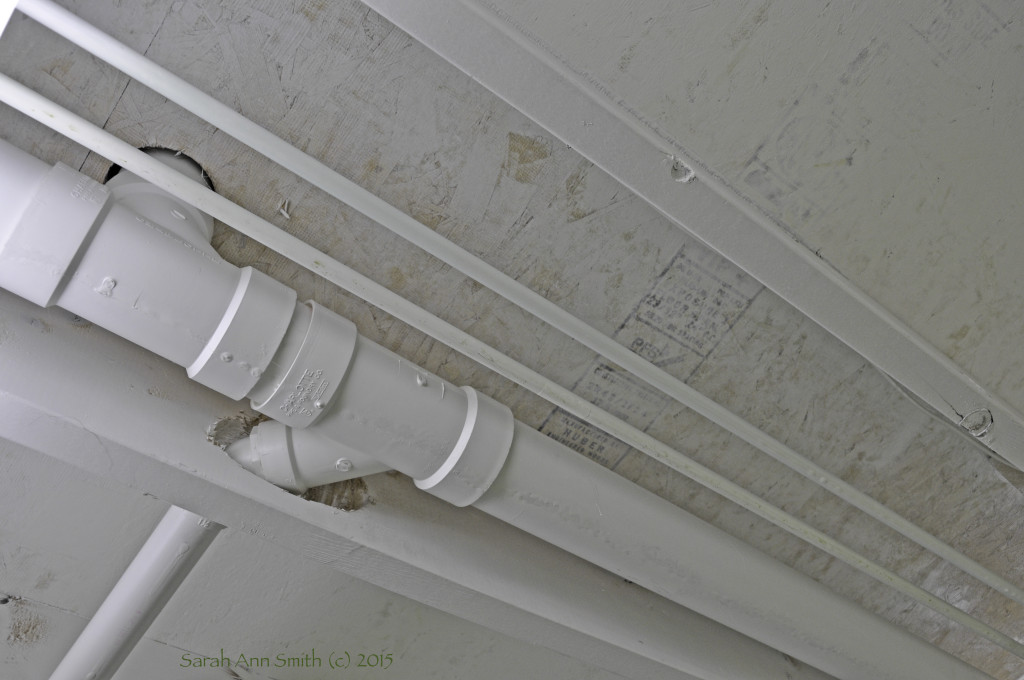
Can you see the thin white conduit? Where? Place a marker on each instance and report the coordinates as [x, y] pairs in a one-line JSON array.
[[276, 149], [103, 143], [6, 10]]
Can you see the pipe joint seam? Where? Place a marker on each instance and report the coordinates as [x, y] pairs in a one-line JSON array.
[[479, 454], [247, 336], [297, 460], [317, 371], [272, 446], [44, 243]]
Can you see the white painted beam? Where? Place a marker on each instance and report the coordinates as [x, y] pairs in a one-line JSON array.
[[123, 414]]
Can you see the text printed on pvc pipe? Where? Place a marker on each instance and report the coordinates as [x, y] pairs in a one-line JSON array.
[[308, 392], [89, 191]]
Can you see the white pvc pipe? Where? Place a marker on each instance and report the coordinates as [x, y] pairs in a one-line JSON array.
[[21, 174], [67, 240], [165, 560], [192, 99], [168, 302], [217, 206], [546, 598], [298, 459], [6, 11], [556, 494]]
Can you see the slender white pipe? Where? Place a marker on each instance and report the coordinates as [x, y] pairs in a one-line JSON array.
[[105, 144], [164, 561], [191, 98], [6, 11]]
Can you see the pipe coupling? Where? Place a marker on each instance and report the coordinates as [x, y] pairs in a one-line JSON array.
[[315, 373], [479, 453], [242, 346], [44, 240]]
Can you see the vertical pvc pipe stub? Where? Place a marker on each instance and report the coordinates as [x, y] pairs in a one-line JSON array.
[[316, 373], [479, 454], [45, 241], [156, 205]]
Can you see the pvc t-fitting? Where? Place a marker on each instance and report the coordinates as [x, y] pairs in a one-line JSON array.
[[135, 260]]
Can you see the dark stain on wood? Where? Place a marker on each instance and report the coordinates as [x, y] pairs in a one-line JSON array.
[[348, 495]]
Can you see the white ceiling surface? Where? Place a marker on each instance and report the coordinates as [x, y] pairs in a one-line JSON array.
[[884, 136]]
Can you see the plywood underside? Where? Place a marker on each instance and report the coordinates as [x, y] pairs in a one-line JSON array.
[[886, 138], [343, 85]]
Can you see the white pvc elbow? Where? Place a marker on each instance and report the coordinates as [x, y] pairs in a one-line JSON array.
[[297, 460]]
